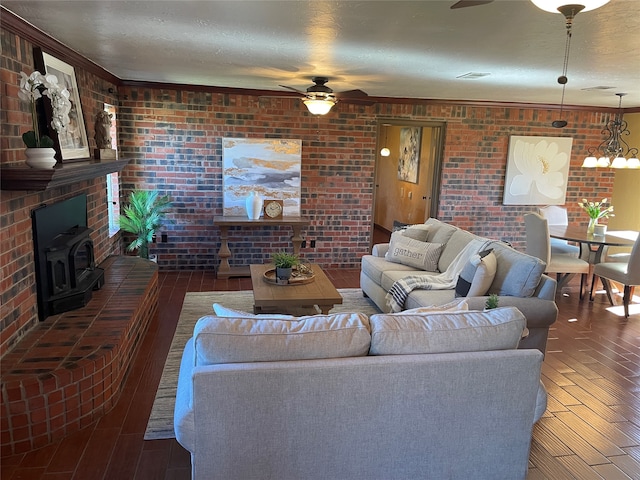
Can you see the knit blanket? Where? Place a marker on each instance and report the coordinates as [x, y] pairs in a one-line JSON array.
[[446, 280]]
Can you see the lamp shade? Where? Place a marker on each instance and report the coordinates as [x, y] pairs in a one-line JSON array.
[[619, 162], [319, 107], [590, 162], [385, 152], [603, 162], [553, 5], [633, 163]]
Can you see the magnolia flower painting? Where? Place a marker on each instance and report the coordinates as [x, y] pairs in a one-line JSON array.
[[537, 170]]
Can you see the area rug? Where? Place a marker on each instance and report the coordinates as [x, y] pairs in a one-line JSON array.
[[196, 305]]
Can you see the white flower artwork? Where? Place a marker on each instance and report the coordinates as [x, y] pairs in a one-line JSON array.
[[537, 170]]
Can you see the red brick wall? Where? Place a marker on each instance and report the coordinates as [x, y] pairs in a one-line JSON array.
[[17, 284], [174, 139]]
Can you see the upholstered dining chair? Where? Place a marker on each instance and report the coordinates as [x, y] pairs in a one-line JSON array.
[[625, 273], [557, 215], [564, 265]]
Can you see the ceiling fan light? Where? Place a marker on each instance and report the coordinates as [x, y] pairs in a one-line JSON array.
[[554, 5], [590, 162], [385, 152], [319, 107], [603, 162], [633, 163], [619, 162]]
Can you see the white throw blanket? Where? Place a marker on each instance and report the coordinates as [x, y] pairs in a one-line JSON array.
[[446, 280]]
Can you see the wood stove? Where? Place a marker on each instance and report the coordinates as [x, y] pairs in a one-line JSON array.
[[66, 273]]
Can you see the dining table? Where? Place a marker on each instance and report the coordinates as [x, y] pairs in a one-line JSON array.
[[594, 244]]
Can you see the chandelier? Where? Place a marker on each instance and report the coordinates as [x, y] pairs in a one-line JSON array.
[[614, 147]]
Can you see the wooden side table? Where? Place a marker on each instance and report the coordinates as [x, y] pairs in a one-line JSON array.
[[225, 222]]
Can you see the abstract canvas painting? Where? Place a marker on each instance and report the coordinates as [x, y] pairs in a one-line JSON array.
[[537, 170], [269, 167], [409, 157]]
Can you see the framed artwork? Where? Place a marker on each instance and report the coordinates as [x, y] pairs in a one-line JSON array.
[[537, 170], [72, 144], [409, 157], [269, 167]]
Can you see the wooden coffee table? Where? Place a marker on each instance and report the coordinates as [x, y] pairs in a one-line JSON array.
[[302, 299]]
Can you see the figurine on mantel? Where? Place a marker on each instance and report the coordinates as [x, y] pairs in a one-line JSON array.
[[103, 136]]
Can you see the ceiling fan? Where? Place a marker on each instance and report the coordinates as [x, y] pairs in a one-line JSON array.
[[469, 3], [319, 98]]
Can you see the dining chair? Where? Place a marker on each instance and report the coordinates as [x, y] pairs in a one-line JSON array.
[[557, 215], [625, 273], [564, 265]]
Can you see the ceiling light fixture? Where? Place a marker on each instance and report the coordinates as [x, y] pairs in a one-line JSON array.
[[385, 152], [319, 106], [569, 10], [614, 147]]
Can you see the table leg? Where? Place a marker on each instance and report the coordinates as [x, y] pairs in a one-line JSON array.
[[224, 270]]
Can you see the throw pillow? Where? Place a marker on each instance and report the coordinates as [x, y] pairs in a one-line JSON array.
[[477, 275], [495, 329], [237, 340], [454, 306], [226, 312], [414, 253], [418, 232]]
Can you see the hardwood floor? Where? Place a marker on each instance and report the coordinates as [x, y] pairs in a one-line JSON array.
[[591, 428]]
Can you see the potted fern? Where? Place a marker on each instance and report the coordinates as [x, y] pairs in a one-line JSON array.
[[143, 216], [284, 263]]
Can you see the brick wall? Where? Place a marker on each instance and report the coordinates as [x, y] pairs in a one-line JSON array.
[[174, 139]]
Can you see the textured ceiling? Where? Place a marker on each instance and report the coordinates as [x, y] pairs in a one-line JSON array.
[[387, 48]]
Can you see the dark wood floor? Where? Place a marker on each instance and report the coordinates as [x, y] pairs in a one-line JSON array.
[[590, 430]]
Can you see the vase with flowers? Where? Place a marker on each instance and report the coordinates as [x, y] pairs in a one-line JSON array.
[[40, 152], [596, 211]]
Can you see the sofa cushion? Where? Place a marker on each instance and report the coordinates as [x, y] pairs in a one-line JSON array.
[[496, 329], [457, 241], [477, 275], [418, 232], [235, 340], [221, 311], [457, 305], [374, 267], [517, 273], [407, 251]]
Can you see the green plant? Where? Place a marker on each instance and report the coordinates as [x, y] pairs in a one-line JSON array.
[[284, 259], [143, 216], [596, 210], [492, 302]]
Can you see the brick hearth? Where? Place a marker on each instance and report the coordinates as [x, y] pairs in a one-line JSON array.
[[69, 370]]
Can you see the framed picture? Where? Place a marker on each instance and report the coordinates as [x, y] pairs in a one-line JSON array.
[[537, 170], [409, 157], [72, 144]]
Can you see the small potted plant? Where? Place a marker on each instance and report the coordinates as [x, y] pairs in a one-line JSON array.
[[143, 216], [492, 302], [284, 263]]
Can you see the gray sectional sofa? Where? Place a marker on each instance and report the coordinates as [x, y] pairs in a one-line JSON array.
[[519, 280], [416, 395]]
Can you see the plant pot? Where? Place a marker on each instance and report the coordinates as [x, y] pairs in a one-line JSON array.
[[283, 275], [40, 158]]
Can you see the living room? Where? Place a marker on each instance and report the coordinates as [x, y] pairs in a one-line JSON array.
[[173, 137]]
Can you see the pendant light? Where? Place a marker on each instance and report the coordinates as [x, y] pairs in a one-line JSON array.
[[385, 152]]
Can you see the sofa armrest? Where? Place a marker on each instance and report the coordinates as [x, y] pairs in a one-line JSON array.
[[183, 416], [539, 313], [380, 250], [546, 288]]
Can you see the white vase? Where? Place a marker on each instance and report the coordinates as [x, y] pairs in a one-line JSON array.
[[254, 204], [41, 158]]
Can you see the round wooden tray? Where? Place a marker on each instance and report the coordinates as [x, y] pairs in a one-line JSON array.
[[296, 278]]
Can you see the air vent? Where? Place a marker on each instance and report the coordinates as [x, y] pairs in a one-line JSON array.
[[473, 75]]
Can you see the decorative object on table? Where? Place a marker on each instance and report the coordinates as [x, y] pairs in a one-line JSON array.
[[40, 152], [284, 263], [492, 302], [409, 156], [300, 275], [614, 146], [253, 205], [102, 136], [596, 211], [143, 216], [271, 167], [273, 208], [71, 143], [537, 170], [600, 230]]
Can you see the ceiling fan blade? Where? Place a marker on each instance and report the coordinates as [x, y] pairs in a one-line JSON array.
[[352, 94], [469, 3], [294, 90]]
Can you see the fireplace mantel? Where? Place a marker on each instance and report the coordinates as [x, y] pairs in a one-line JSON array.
[[25, 178]]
